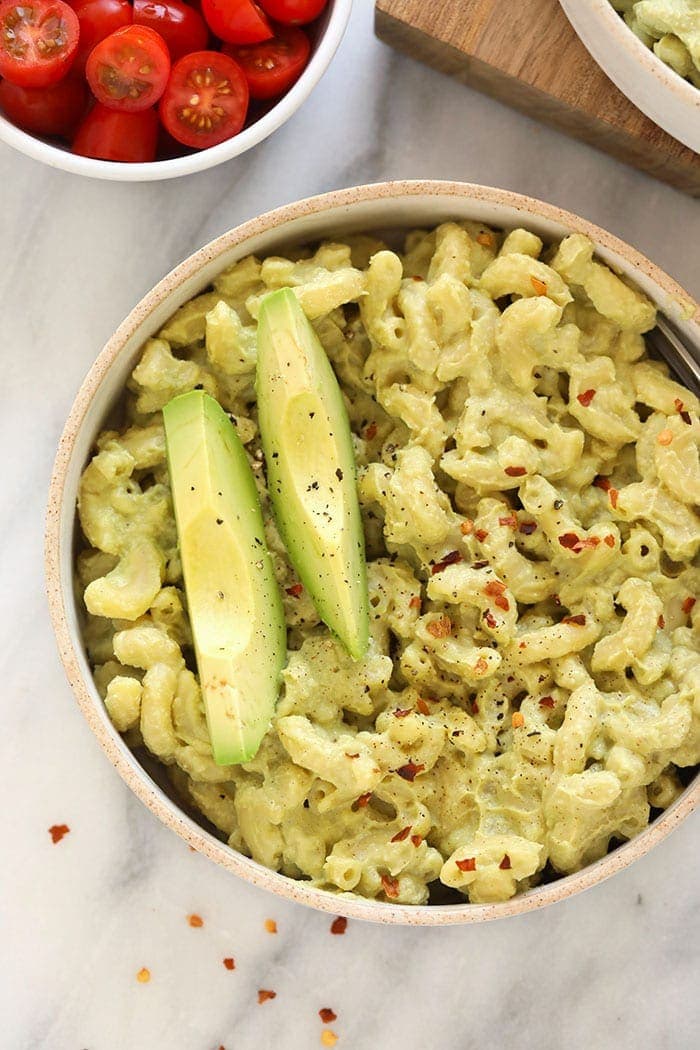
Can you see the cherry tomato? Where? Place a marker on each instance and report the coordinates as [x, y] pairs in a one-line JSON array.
[[108, 134], [182, 28], [293, 12], [236, 21], [38, 41], [206, 99], [98, 18], [54, 110], [273, 66], [129, 69]]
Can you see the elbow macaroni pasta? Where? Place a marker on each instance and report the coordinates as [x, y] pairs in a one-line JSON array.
[[529, 481]]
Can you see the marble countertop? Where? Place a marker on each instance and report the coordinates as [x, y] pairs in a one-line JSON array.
[[611, 969]]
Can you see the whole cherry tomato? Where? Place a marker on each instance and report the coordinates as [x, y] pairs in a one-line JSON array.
[[181, 26], [107, 134], [293, 12], [98, 18], [54, 110]]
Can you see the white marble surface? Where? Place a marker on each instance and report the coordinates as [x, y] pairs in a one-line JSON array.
[[612, 969]]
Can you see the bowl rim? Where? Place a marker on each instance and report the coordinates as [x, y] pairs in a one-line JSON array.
[[116, 171], [110, 740], [683, 96]]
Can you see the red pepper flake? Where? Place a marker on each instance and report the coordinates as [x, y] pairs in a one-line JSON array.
[[569, 540], [481, 534], [295, 590], [410, 771], [401, 712], [685, 416], [613, 494], [482, 665], [371, 431], [547, 701], [510, 520], [144, 975], [491, 620], [517, 720], [494, 587], [661, 622], [416, 840], [502, 602], [585, 398], [450, 559], [609, 540], [390, 886], [57, 831], [440, 628], [270, 925], [515, 472], [602, 483], [475, 706], [339, 925], [468, 864], [505, 864], [665, 437], [415, 602], [467, 527], [327, 1015], [485, 240], [422, 706], [229, 963], [688, 604], [264, 994], [578, 620], [195, 920], [401, 835], [539, 286], [363, 800], [528, 527]]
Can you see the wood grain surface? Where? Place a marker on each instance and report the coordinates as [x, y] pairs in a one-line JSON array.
[[526, 54]]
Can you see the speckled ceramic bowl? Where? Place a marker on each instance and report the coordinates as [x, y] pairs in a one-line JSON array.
[[331, 27], [670, 101], [398, 205]]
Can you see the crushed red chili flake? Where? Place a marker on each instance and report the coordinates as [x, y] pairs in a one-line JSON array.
[[371, 431], [490, 619], [569, 540], [416, 840], [339, 925], [579, 620], [547, 701], [481, 534], [327, 1015], [528, 527], [485, 240], [450, 559], [467, 527], [403, 834], [270, 925], [494, 587], [229, 963], [195, 920], [665, 437], [57, 831], [390, 886], [539, 286], [502, 602], [144, 975], [401, 712], [515, 472], [680, 409], [585, 398], [613, 494], [422, 706], [295, 590], [505, 864], [609, 540], [688, 604], [602, 483], [264, 994], [482, 665], [410, 771], [475, 707], [364, 799], [468, 864], [510, 520], [415, 602], [661, 622], [517, 720], [440, 628]]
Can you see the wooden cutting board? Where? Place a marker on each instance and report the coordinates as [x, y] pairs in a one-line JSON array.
[[526, 54]]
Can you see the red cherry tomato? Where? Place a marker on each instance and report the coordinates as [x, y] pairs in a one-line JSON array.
[[293, 12], [129, 69], [183, 29], [98, 18], [38, 41], [273, 66], [54, 110], [236, 21], [206, 99], [107, 134]]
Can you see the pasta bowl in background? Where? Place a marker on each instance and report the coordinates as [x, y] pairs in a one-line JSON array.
[[665, 97], [387, 207]]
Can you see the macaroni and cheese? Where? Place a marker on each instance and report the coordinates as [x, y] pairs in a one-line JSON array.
[[671, 28]]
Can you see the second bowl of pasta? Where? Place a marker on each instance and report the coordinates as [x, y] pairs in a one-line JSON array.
[[524, 721]]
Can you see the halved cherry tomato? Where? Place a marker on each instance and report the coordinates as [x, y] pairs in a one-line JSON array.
[[129, 69], [273, 66], [38, 41], [54, 110], [98, 18], [183, 29], [236, 21], [293, 12], [206, 99], [108, 134]]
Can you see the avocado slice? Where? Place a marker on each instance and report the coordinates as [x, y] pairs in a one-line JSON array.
[[234, 603], [311, 471]]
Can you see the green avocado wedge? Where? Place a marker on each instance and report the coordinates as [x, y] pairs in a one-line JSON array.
[[234, 603], [311, 470]]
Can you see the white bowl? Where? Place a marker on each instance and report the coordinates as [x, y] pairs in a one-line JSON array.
[[333, 23], [400, 205], [665, 97]]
